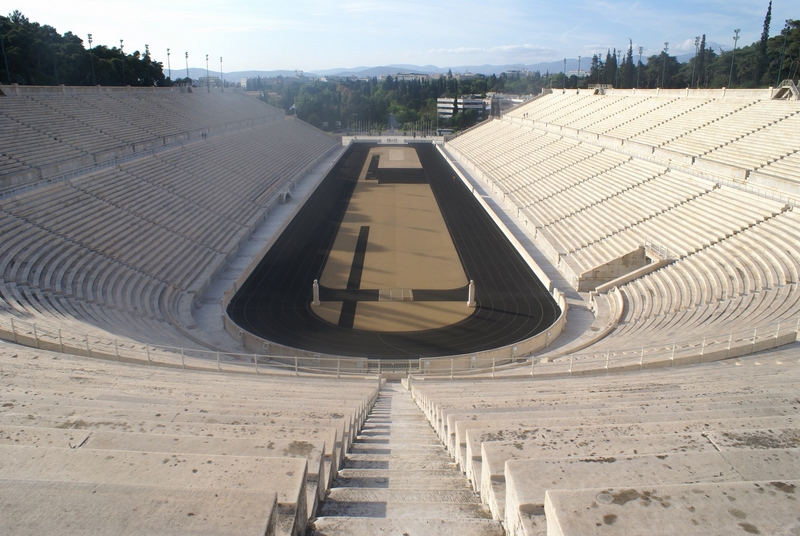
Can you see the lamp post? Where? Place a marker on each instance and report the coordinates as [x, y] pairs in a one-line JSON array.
[[169, 68], [579, 70], [91, 60], [221, 80], [639, 67], [564, 85], [616, 74], [780, 69], [696, 49], [208, 77], [733, 55], [122, 53], [147, 61], [187, 67], [664, 70]]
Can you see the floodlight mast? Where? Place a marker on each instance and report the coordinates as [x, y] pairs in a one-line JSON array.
[[122, 53], [91, 60], [169, 67], [221, 79], [639, 67], [733, 55], [696, 49], [187, 67], [208, 77], [664, 70]]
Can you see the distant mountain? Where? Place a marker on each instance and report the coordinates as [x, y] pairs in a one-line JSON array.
[[363, 71]]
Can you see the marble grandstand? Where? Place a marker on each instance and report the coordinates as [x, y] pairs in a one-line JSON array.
[[667, 219]]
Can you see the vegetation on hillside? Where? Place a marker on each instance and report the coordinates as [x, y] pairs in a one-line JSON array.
[[37, 54]]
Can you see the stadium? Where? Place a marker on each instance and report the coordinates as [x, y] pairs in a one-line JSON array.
[[579, 317]]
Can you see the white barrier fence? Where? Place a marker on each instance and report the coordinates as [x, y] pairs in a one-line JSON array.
[[712, 348]]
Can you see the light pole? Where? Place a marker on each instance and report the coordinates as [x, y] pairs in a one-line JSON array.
[[616, 74], [783, 53], [579, 71], [208, 81], [169, 67], [221, 80], [564, 85], [733, 55], [187, 68], [664, 70], [696, 49], [91, 60], [122, 53], [147, 61], [639, 67]]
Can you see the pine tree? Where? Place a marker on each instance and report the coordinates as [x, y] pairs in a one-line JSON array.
[[761, 59]]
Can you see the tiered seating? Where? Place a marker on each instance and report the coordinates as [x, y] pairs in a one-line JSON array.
[[763, 146], [728, 128], [787, 167], [745, 281], [538, 108], [686, 228], [109, 253], [721, 423], [624, 209], [670, 110], [695, 119], [85, 128], [107, 435], [599, 186]]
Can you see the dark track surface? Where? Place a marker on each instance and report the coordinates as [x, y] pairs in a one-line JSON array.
[[274, 302]]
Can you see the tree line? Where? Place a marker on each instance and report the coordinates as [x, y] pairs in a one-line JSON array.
[[36, 54]]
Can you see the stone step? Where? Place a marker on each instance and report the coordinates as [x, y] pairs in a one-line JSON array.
[[695, 509], [410, 480], [527, 481], [345, 495], [363, 526], [86, 509], [400, 464], [285, 476], [404, 510]]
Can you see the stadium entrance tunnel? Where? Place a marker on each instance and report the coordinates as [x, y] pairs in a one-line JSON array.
[[378, 263]]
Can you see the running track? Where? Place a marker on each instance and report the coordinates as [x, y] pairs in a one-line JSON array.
[[274, 302]]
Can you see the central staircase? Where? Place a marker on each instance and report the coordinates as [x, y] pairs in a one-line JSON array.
[[399, 479]]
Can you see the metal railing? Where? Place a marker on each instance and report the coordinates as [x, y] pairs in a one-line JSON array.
[[677, 353], [710, 348]]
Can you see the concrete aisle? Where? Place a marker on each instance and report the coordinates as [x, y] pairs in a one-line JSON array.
[[398, 479]]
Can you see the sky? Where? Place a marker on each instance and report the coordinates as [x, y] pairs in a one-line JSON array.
[[314, 35]]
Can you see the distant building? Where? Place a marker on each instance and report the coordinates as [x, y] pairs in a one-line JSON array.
[[213, 81], [501, 102], [444, 105], [243, 83]]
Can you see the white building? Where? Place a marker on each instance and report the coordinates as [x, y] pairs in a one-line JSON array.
[[444, 105]]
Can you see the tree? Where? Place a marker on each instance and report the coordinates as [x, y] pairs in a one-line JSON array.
[[761, 59], [627, 75], [701, 64]]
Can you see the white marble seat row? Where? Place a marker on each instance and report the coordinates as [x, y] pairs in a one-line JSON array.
[[47, 130], [108, 434], [519, 441]]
